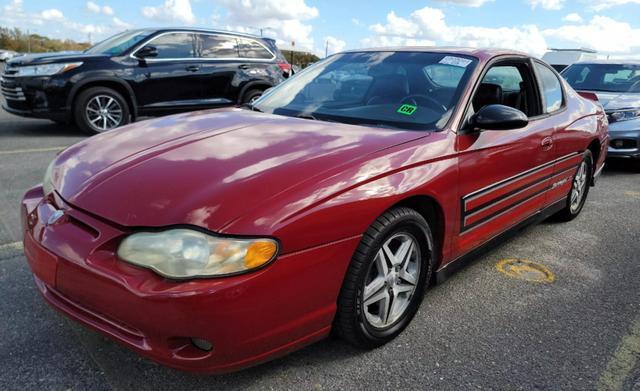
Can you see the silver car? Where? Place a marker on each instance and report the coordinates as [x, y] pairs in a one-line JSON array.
[[617, 85]]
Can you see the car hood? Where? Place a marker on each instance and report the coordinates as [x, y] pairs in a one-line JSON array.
[[616, 100], [206, 168], [49, 58]]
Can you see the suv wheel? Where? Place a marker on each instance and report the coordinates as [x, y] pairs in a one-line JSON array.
[[99, 109], [251, 96]]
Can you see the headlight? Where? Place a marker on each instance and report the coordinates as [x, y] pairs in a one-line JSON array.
[[184, 253], [46, 69], [47, 181], [624, 115]]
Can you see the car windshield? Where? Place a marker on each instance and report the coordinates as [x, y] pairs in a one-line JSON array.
[[119, 43], [604, 77], [408, 90]]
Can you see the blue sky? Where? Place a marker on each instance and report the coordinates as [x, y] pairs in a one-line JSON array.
[[529, 25]]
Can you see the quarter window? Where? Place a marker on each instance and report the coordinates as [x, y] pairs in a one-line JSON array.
[[174, 45], [551, 88], [252, 49], [217, 46]]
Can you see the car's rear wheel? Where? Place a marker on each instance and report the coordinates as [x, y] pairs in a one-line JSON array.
[[251, 96], [99, 109], [386, 279], [579, 188]]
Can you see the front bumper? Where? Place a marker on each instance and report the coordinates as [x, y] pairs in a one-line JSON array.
[[248, 318], [36, 97], [624, 139]]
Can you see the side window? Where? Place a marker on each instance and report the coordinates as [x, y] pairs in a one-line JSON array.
[[551, 88], [508, 85], [217, 46], [444, 75], [174, 45], [252, 49], [507, 76]]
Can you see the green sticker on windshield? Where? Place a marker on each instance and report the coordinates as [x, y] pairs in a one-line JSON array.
[[407, 109]]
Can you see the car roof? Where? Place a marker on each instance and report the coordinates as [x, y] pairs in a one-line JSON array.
[[199, 30], [482, 53]]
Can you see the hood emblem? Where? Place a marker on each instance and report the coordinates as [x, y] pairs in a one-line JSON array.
[[54, 217]]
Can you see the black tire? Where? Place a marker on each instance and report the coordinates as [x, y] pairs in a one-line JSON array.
[[569, 213], [84, 99], [251, 95], [351, 322]]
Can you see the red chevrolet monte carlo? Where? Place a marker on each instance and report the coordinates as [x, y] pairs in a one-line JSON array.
[[215, 240]]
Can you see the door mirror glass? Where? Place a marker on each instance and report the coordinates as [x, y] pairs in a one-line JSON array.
[[498, 117], [147, 52]]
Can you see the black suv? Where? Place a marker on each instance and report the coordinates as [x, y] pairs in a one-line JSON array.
[[142, 72]]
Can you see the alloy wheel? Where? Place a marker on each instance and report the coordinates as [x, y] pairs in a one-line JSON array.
[[391, 281], [104, 112], [579, 187]]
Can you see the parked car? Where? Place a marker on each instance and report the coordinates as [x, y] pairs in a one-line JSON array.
[[140, 73], [211, 241], [6, 55], [559, 59], [617, 86]]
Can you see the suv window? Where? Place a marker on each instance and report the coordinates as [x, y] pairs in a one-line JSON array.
[[174, 45], [444, 75], [252, 49], [217, 46], [551, 88]]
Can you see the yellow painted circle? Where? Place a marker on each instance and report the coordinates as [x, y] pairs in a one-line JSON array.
[[525, 270]]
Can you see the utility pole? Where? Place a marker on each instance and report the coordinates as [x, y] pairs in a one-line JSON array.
[[89, 38], [28, 41], [326, 49]]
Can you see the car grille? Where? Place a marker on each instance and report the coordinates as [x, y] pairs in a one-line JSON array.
[[8, 88], [623, 143]]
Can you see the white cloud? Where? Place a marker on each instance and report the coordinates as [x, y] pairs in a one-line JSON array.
[[356, 21], [97, 9], [547, 4], [13, 6], [600, 5], [466, 3], [52, 14], [600, 33], [119, 23], [334, 45], [285, 20], [171, 11], [573, 18], [428, 27]]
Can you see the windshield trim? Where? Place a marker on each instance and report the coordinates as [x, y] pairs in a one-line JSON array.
[[450, 113]]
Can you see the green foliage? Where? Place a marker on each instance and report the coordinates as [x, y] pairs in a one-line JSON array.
[[17, 40], [300, 58]]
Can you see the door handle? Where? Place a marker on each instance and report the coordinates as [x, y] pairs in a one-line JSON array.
[[244, 66], [192, 68], [547, 143]]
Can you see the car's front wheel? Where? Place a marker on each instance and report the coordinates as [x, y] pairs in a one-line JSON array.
[[99, 109], [386, 279]]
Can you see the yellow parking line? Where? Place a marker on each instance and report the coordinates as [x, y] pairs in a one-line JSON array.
[[15, 246], [15, 151], [624, 359]]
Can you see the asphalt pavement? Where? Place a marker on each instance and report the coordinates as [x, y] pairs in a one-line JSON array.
[[481, 329]]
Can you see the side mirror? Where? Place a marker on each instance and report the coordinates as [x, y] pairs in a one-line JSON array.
[[498, 117], [147, 52]]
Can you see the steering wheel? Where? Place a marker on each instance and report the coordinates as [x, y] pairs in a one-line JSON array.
[[415, 99]]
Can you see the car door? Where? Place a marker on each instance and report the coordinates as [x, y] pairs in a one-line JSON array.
[[221, 63], [566, 138], [171, 79], [502, 172]]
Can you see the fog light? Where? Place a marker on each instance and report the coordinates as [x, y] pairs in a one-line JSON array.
[[202, 344]]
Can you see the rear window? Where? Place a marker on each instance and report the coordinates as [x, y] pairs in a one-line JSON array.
[[252, 49], [217, 46]]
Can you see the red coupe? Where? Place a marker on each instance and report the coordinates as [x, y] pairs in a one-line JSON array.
[[215, 240]]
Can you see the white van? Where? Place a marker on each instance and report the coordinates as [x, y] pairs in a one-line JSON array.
[[562, 58]]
